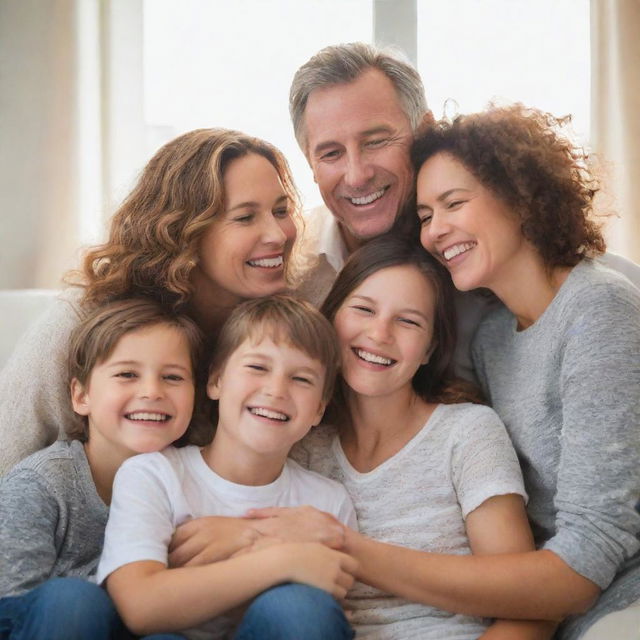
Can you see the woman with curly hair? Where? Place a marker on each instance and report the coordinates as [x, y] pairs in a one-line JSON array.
[[505, 203], [210, 222]]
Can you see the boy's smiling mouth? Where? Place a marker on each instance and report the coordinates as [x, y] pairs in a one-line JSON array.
[[263, 412], [147, 416]]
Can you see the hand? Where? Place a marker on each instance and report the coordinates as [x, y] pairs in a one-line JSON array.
[[316, 565], [261, 542], [209, 539], [299, 524]]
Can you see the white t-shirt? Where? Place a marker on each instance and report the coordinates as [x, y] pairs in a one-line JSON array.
[[153, 493], [419, 498]]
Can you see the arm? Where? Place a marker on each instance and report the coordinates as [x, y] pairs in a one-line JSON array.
[[28, 517], [152, 598], [34, 396]]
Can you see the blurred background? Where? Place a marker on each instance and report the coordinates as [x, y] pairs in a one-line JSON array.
[[89, 89]]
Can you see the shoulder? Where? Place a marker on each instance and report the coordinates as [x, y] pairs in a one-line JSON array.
[[466, 420], [622, 266], [52, 460], [314, 483]]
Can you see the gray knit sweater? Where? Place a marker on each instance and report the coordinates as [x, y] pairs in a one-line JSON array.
[[568, 391], [52, 520]]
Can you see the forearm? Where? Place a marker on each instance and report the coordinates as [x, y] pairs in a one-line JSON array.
[[530, 585], [152, 599]]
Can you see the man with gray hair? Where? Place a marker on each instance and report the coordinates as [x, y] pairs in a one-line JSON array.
[[355, 109]]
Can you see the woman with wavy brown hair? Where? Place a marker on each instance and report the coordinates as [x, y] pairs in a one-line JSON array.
[[505, 203], [210, 222]]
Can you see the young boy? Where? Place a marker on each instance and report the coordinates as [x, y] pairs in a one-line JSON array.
[[272, 375], [131, 371]]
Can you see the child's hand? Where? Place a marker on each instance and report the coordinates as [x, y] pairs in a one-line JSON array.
[[209, 539], [316, 565], [299, 524]]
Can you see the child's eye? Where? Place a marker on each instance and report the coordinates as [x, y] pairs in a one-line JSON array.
[[126, 374], [362, 308], [257, 367], [303, 379], [281, 213], [409, 321], [174, 377]]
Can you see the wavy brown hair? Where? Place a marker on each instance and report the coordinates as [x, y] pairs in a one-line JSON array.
[[155, 235], [434, 381], [522, 157]]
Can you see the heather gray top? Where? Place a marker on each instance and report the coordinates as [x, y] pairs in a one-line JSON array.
[[568, 391], [52, 520], [419, 498]]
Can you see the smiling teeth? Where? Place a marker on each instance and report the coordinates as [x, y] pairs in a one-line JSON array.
[[270, 263], [457, 249], [368, 199], [267, 413], [372, 357], [148, 416]]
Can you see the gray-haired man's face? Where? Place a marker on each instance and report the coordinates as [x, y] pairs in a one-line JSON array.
[[358, 140]]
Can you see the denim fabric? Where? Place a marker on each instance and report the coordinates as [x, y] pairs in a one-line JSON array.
[[294, 611]]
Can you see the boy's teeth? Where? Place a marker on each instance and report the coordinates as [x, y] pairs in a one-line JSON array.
[[457, 249], [267, 262], [147, 415], [267, 413], [372, 357], [368, 199]]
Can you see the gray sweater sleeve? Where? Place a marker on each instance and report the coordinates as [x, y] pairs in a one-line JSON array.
[[28, 522], [598, 482], [34, 397]]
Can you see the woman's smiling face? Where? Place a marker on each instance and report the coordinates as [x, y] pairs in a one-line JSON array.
[[385, 330], [244, 251], [465, 226]]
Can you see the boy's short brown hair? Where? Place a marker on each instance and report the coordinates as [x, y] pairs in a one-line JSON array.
[[283, 318], [94, 339]]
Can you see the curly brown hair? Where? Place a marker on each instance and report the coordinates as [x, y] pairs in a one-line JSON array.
[[155, 235], [521, 156]]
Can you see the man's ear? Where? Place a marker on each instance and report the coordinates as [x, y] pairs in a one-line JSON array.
[[430, 350], [79, 398], [213, 386]]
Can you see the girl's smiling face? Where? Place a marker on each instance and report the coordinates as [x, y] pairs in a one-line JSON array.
[[385, 330]]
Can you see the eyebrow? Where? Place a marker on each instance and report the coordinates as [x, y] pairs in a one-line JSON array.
[[319, 148], [251, 204], [137, 363], [406, 310]]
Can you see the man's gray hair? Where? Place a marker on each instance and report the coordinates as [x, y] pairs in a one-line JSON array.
[[343, 63]]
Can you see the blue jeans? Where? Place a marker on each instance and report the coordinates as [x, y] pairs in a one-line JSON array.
[[293, 612], [64, 609]]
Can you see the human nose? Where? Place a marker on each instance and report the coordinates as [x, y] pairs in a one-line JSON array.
[[358, 171], [379, 330], [275, 386], [272, 232], [150, 388], [438, 227]]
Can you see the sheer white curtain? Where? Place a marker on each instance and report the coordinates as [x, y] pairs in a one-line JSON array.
[[70, 70], [615, 114]]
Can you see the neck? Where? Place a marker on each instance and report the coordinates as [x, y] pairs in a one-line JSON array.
[[210, 308], [530, 287], [351, 242], [381, 426], [103, 467], [240, 466]]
